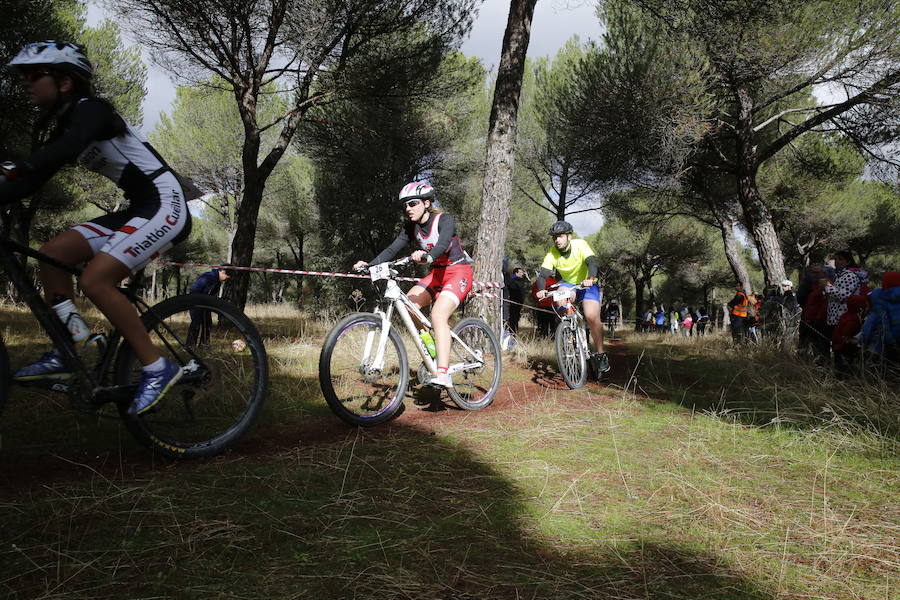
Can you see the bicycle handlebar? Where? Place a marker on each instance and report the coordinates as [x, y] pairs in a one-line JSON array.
[[401, 262], [574, 287]]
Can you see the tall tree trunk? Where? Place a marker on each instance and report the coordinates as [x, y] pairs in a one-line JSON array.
[[496, 189], [244, 243], [638, 302], [733, 254], [758, 217], [563, 192]]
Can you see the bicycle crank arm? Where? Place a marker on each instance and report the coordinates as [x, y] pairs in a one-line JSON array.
[[464, 367], [115, 393]]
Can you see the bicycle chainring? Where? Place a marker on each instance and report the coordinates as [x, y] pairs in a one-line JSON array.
[[424, 374]]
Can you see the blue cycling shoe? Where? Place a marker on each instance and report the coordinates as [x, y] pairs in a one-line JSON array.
[[153, 386], [49, 366]]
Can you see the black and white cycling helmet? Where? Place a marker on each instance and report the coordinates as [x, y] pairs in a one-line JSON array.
[[561, 227], [65, 57], [417, 190]]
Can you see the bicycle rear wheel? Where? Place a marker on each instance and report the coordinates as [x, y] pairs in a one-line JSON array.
[[474, 388], [223, 387], [358, 388], [571, 360], [5, 375]]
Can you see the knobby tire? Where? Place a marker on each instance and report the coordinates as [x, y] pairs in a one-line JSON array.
[[360, 397], [218, 401]]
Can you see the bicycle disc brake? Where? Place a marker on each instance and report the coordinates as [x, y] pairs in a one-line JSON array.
[[369, 373]]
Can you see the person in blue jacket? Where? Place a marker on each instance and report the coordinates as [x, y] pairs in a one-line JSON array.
[[201, 320], [881, 332]]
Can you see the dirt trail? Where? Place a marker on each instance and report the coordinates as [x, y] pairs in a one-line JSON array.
[[425, 412]]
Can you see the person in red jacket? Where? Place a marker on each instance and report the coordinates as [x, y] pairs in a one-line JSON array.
[[814, 305], [545, 322], [843, 340]]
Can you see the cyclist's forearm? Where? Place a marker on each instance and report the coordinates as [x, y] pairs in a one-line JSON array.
[[446, 229], [543, 274], [593, 266], [400, 242]]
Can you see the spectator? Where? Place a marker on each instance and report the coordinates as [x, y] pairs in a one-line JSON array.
[[702, 320], [648, 321], [201, 320], [846, 284], [843, 340], [673, 321], [687, 323], [513, 296], [881, 332], [770, 313], [814, 309], [660, 320], [863, 277], [545, 320], [788, 298], [739, 309]]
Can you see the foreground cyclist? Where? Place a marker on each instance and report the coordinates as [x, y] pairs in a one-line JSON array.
[[450, 279], [88, 129], [576, 264]]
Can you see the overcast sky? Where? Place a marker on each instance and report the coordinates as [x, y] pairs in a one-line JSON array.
[[555, 21]]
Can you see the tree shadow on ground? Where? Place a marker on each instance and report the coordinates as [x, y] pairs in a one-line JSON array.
[[397, 515], [545, 373]]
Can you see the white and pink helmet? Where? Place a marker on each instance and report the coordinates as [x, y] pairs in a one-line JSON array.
[[417, 190]]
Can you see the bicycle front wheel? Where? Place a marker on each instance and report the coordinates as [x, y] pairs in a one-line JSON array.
[[363, 385], [569, 356], [223, 386], [474, 387]]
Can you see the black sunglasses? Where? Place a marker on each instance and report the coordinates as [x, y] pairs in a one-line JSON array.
[[35, 74]]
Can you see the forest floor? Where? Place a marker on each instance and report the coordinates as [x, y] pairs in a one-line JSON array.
[[694, 470]]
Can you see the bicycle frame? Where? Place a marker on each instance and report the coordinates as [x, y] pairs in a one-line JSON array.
[[398, 301], [88, 389], [578, 320]]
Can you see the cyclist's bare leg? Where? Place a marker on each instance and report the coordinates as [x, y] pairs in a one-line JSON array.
[[421, 298], [99, 284], [440, 318], [591, 310], [71, 248]]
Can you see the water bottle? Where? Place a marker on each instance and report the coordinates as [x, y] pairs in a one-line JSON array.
[[429, 342], [68, 314]]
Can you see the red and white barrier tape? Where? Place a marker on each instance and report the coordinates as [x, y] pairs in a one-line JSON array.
[[475, 284]]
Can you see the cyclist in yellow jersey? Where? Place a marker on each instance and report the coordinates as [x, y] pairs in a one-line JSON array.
[[576, 264]]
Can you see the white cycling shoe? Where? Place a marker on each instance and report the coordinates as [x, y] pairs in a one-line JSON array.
[[442, 380]]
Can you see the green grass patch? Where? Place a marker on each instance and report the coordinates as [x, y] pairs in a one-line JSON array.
[[675, 488]]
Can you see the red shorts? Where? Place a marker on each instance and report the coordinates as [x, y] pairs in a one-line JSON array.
[[455, 280]]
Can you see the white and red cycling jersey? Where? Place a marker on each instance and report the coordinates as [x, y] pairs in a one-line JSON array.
[[452, 269]]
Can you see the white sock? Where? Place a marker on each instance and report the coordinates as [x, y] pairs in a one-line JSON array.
[[157, 365]]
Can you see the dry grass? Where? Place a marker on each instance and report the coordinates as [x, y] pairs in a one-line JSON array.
[[671, 486], [768, 384]]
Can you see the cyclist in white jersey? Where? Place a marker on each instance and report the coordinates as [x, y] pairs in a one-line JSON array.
[[450, 279], [58, 80]]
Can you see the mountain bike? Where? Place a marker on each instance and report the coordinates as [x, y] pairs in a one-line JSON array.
[[364, 365], [572, 350], [611, 323], [225, 367]]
